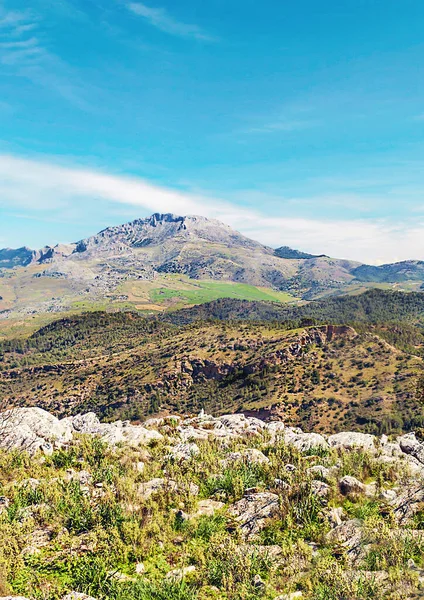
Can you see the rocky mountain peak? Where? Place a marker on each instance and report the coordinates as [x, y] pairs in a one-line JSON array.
[[161, 228]]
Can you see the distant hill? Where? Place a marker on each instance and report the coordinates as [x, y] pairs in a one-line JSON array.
[[287, 252], [20, 257], [408, 270], [325, 376], [166, 261]]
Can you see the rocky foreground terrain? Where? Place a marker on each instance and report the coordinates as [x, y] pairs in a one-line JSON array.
[[224, 508]]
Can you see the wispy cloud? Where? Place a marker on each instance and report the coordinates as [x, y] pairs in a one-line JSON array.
[[47, 188], [24, 53], [286, 125], [161, 19]]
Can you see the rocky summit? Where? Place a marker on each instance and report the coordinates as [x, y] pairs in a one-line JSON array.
[[166, 259], [199, 507]]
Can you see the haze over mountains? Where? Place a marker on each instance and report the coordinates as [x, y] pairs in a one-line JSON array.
[[152, 261]]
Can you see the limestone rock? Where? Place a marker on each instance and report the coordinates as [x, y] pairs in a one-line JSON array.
[[349, 440], [250, 455], [351, 487], [184, 451], [410, 445], [409, 503], [178, 574], [252, 512], [208, 508]]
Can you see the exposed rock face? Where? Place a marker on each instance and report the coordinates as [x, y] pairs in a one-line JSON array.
[[350, 486], [409, 503], [349, 440], [410, 445], [253, 511], [34, 429]]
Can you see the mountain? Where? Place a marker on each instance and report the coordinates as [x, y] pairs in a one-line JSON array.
[[168, 261], [408, 270], [287, 252], [20, 257]]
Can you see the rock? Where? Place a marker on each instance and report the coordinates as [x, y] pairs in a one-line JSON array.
[[258, 583], [409, 503], [305, 442], [148, 488], [351, 440], [250, 455], [77, 596], [320, 489], [13, 598], [178, 574], [140, 568], [239, 424], [208, 508], [319, 471], [350, 486], [348, 535], [139, 466], [252, 512], [290, 468], [32, 429], [410, 445], [184, 451]]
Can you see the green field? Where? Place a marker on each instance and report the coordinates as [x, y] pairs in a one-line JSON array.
[[206, 291]]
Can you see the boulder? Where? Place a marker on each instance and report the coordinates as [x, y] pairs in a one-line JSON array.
[[32, 429], [77, 596], [351, 487], [250, 455], [178, 574], [410, 445], [351, 440], [252, 512], [207, 508], [305, 442], [409, 503], [184, 451]]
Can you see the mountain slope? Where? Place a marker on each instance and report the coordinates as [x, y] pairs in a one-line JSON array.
[[167, 261], [327, 377]]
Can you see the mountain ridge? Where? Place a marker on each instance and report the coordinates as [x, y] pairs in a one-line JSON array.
[[161, 259]]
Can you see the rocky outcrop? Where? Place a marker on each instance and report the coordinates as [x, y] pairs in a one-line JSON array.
[[33, 429], [253, 511]]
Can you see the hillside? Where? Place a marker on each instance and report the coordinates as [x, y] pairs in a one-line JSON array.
[[167, 261], [323, 377], [202, 508]]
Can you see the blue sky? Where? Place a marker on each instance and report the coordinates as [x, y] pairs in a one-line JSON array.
[[297, 123]]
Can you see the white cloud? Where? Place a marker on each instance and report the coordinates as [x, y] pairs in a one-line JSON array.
[[51, 189], [161, 19]]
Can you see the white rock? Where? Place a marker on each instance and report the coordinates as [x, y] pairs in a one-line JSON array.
[[410, 445], [253, 510], [177, 574], [184, 451], [77, 596], [207, 508], [250, 455], [350, 486], [350, 440]]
